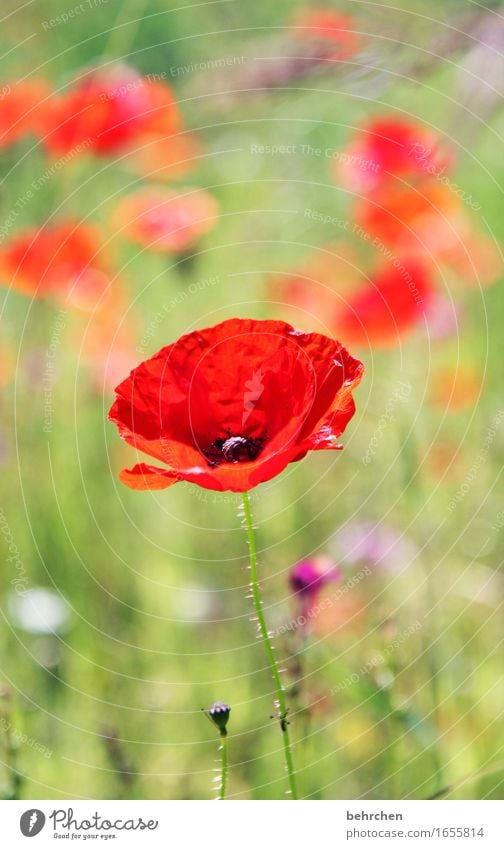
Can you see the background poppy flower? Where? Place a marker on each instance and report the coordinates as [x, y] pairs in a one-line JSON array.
[[166, 220], [62, 259], [164, 157], [230, 406], [418, 218], [20, 109], [348, 616], [108, 111], [445, 461], [390, 147], [474, 261], [329, 28], [105, 342], [319, 283], [456, 388], [430, 221], [386, 307]]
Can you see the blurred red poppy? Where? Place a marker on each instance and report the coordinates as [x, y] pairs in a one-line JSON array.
[[108, 110], [329, 28], [444, 460], [166, 220], [386, 307], [164, 157], [65, 260], [348, 614], [430, 221], [231, 406], [318, 285], [475, 261], [105, 341], [391, 147], [420, 219], [21, 105], [456, 388]]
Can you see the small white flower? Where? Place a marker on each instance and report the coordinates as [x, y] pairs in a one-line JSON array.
[[39, 611]]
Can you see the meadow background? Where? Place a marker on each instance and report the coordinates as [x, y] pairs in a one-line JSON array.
[[155, 622]]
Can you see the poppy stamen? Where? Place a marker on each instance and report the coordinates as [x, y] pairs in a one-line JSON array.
[[233, 449]]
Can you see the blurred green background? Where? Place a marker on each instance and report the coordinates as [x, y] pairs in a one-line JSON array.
[[158, 623]]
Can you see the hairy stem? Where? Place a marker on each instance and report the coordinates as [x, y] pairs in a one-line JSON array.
[[224, 767], [280, 694]]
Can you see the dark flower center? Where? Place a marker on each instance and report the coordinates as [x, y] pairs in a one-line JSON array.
[[233, 449]]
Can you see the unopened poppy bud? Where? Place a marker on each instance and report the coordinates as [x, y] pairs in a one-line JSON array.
[[219, 714]]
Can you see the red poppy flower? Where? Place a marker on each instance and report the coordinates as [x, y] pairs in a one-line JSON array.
[[385, 308], [104, 342], [318, 285], [456, 388], [20, 109], [165, 220], [390, 147], [422, 218], [164, 157], [108, 111], [329, 28], [230, 406], [61, 259], [444, 460], [430, 220]]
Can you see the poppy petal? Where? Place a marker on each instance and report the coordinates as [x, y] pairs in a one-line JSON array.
[[230, 406], [143, 476]]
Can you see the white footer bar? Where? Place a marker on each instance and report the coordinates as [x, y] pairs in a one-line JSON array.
[[253, 825]]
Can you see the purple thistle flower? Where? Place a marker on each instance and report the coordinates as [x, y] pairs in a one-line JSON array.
[[307, 578], [373, 545]]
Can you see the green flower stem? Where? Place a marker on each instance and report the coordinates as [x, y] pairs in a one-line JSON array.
[[432, 666], [280, 694], [224, 766], [13, 792], [415, 489]]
